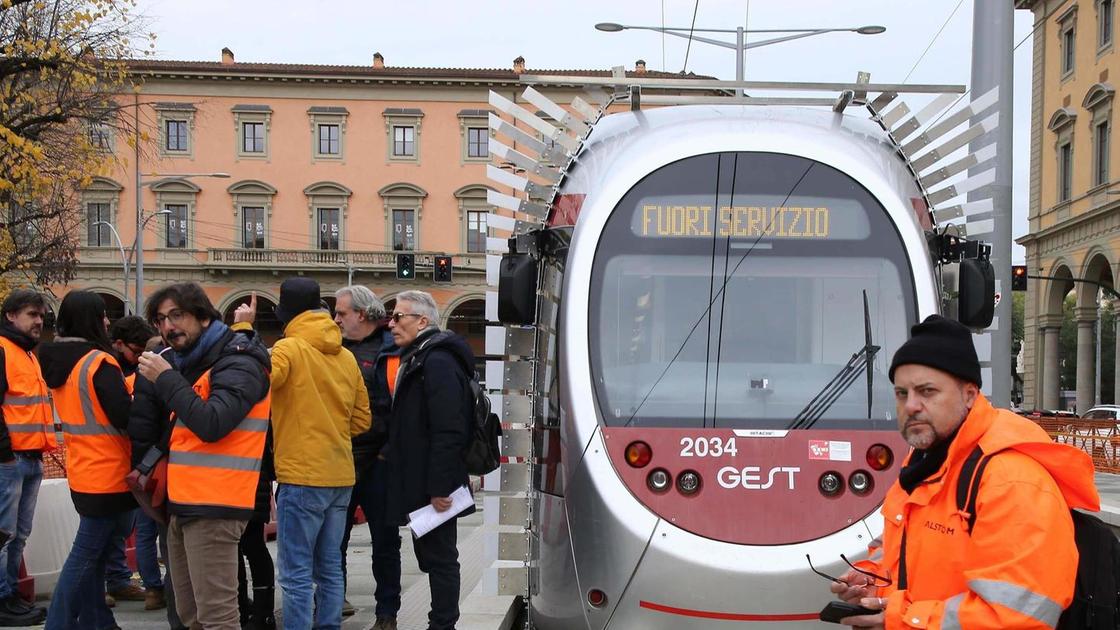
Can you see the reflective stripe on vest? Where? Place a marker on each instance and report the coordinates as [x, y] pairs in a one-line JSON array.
[[27, 409], [222, 474], [97, 453]]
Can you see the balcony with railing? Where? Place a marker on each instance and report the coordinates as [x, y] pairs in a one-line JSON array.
[[337, 259]]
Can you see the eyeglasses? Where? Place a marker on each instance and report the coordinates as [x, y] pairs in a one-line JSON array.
[[876, 580], [174, 317], [397, 317]]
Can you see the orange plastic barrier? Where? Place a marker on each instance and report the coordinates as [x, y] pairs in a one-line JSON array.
[[1099, 438]]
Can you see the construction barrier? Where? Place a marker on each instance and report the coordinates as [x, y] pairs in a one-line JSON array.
[[1099, 438]]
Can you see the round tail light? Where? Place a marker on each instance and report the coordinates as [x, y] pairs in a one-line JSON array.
[[831, 484], [861, 482], [638, 454], [688, 482], [658, 480], [879, 457], [596, 598]]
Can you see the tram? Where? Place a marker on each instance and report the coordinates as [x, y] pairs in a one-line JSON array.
[[716, 295]]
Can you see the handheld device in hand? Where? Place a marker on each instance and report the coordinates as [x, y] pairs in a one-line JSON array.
[[835, 611]]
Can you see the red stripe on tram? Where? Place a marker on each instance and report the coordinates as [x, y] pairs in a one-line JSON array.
[[709, 614]]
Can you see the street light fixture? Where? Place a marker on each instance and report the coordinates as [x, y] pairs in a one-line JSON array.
[[740, 46], [138, 244], [127, 258]]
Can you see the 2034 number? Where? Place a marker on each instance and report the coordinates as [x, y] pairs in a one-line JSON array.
[[708, 447]]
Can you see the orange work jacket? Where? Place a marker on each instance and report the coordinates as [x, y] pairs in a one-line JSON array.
[[222, 475], [1017, 567], [98, 455], [392, 366], [130, 383], [27, 410]]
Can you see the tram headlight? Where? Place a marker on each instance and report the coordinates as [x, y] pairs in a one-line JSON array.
[[638, 454], [831, 483], [658, 480], [688, 482], [861, 482], [879, 457]]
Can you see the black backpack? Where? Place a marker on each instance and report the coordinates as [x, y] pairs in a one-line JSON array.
[[482, 454], [1096, 594]]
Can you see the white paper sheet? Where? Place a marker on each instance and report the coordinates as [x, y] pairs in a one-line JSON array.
[[427, 518]]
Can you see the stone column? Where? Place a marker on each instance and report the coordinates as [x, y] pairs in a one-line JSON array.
[[1086, 355], [1116, 387], [1050, 387]]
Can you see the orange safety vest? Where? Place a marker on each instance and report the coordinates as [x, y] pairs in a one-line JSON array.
[[222, 474], [392, 366], [98, 455], [27, 410], [130, 383]]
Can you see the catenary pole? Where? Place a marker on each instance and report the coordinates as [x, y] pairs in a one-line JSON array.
[[993, 31]]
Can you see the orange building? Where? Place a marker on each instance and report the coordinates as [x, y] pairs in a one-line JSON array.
[[332, 171]]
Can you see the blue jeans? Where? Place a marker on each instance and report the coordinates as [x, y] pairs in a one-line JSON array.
[[147, 558], [310, 522], [117, 573], [78, 601], [19, 491], [370, 492]]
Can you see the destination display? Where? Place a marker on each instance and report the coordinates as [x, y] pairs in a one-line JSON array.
[[816, 222]]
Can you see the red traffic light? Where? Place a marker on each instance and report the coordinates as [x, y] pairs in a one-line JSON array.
[[1018, 277]]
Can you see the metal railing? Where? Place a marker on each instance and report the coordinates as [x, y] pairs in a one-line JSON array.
[[333, 258]]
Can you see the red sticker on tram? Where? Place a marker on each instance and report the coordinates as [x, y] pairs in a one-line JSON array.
[[818, 449]]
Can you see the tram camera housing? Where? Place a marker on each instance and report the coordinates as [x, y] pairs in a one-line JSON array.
[[517, 289], [976, 304]]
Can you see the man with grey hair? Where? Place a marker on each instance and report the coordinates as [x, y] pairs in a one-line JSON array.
[[433, 408], [365, 332]]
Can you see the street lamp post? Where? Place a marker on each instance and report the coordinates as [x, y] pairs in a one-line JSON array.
[[740, 46], [124, 263], [138, 244]]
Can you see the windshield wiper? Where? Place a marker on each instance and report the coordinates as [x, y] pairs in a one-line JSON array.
[[835, 388]]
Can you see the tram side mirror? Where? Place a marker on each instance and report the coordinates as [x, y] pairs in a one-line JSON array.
[[976, 298], [517, 290]]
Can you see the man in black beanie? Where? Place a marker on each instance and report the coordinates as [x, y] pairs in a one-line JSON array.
[[1004, 559]]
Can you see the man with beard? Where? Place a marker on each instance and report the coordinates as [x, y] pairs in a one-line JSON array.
[[360, 314], [1010, 565], [213, 400], [26, 430]]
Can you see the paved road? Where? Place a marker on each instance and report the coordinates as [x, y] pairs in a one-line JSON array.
[[415, 599]]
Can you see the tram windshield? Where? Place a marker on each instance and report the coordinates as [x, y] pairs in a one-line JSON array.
[[748, 290]]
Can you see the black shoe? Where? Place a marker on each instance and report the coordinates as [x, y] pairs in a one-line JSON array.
[[31, 618], [17, 604]]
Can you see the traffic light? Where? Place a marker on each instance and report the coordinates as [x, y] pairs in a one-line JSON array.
[[1018, 277], [406, 266], [443, 269]]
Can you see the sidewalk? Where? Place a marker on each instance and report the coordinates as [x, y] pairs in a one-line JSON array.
[[414, 584]]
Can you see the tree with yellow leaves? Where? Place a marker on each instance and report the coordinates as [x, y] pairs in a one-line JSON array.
[[61, 64]]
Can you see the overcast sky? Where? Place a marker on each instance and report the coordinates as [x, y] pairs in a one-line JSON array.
[[561, 34]]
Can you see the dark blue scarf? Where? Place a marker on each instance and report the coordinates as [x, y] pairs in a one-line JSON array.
[[210, 336]]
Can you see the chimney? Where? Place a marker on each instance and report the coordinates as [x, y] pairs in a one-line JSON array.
[[227, 57], [640, 66], [519, 65], [378, 61]]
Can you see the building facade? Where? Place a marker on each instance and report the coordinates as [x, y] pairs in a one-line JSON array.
[[253, 172], [1074, 216]]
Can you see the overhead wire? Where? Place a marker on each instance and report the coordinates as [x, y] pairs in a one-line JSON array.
[[933, 41]]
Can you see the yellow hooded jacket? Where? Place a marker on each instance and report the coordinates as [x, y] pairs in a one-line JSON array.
[[319, 402]]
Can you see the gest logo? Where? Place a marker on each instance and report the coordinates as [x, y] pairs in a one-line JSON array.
[[748, 477]]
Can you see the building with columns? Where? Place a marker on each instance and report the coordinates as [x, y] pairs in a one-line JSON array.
[[332, 172], [1074, 215]]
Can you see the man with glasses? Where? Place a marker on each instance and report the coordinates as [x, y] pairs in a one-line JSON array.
[[1012, 563], [203, 400], [432, 414]]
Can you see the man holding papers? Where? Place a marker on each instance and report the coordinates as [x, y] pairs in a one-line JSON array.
[[432, 411]]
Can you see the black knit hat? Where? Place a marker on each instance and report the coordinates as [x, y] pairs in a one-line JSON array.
[[942, 344], [296, 296]]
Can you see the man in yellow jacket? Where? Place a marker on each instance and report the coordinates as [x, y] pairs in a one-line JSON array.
[[319, 402], [1015, 568]]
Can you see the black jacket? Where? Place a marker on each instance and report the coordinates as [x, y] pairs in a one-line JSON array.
[[28, 344], [430, 426], [238, 380], [372, 354], [57, 360]]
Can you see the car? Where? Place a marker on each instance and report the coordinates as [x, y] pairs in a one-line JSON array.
[[1102, 412]]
